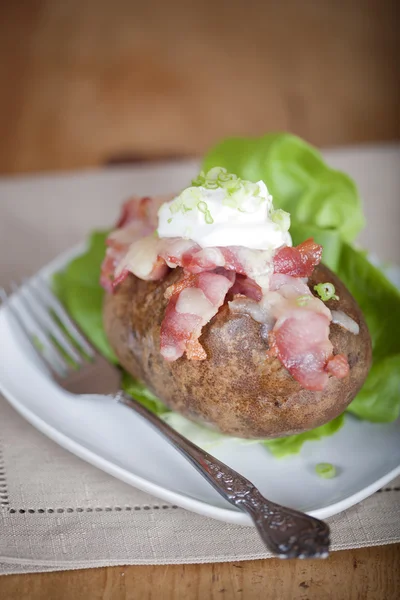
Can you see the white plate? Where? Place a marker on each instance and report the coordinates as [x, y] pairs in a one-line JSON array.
[[118, 441], [112, 437]]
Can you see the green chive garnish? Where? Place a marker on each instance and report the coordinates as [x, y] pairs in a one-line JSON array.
[[326, 291], [325, 470]]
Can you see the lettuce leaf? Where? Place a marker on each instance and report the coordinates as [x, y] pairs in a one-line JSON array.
[[324, 204], [379, 300], [292, 444], [298, 179], [79, 290], [138, 390]]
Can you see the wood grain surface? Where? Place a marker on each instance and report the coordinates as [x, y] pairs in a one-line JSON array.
[[363, 574], [83, 82]]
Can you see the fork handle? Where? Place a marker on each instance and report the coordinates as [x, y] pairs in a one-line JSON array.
[[286, 532]]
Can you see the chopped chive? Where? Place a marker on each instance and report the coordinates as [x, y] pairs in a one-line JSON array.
[[211, 185], [325, 470], [281, 218], [199, 181], [203, 208], [326, 291], [236, 192]]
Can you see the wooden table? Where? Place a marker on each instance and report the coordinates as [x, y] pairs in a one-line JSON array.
[[83, 82], [364, 574]]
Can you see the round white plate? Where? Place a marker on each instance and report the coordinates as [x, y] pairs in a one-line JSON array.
[[116, 440]]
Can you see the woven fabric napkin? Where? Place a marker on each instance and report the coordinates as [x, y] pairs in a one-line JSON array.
[[57, 512], [60, 513]]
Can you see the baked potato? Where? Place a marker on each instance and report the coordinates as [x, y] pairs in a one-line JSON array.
[[239, 389]]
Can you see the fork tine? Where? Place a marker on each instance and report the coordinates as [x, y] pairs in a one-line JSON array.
[[59, 367], [46, 323], [47, 298]]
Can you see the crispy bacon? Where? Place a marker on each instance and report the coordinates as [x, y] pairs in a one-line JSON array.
[[142, 209], [188, 280], [297, 322], [300, 337], [302, 345], [245, 286], [138, 218], [298, 261], [186, 316], [176, 333]]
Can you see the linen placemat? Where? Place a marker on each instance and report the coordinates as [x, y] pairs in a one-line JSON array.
[[57, 512], [60, 513]]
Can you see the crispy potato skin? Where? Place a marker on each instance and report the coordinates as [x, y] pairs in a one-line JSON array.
[[237, 390]]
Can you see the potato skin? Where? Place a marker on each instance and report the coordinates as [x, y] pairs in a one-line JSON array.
[[237, 389]]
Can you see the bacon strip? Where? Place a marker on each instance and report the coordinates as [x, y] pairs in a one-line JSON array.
[[142, 209], [302, 345], [181, 328], [299, 261], [138, 218], [300, 337], [245, 286]]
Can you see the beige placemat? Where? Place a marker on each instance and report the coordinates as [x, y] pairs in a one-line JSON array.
[[58, 512]]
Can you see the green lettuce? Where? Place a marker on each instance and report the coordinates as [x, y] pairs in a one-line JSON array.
[[379, 300], [135, 388], [324, 204], [78, 288], [292, 444]]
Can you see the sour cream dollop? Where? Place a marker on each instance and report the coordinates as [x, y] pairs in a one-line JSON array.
[[219, 209]]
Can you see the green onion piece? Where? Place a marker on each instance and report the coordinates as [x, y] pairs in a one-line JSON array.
[[251, 188], [200, 180], [169, 220], [237, 191], [325, 470], [231, 186], [281, 218], [214, 173], [326, 291], [202, 206], [211, 185], [303, 300], [225, 177]]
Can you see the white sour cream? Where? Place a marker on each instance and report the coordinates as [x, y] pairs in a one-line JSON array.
[[212, 216]]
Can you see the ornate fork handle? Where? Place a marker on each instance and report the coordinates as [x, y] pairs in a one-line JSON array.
[[285, 531]]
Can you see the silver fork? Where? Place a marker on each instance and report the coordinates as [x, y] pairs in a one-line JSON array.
[[78, 368]]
